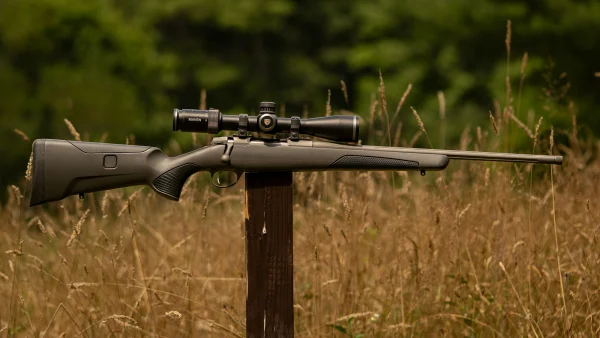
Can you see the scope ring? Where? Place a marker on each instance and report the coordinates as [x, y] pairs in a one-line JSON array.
[[295, 128], [243, 126]]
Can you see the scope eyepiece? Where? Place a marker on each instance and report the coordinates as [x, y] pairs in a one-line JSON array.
[[200, 121], [341, 128]]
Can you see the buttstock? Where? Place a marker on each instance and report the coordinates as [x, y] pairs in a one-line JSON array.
[[64, 168]]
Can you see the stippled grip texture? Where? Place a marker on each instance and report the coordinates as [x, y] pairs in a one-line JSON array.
[[171, 182], [372, 162]]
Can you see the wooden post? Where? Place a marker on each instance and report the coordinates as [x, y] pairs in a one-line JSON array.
[[269, 257]]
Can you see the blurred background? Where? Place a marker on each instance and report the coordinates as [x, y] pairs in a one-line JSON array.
[[118, 68]]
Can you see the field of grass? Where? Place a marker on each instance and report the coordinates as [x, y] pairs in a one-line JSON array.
[[483, 249]]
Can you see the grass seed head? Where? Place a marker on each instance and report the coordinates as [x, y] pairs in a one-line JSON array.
[[537, 131], [42, 227], [345, 91], [173, 315], [419, 122], [17, 194], [78, 229], [403, 99], [442, 103], [183, 272], [35, 259], [524, 63], [494, 125], [18, 251], [104, 204], [123, 321], [382, 98], [72, 130], [22, 134], [29, 171]]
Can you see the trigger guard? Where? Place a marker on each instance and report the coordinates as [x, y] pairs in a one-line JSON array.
[[238, 174]]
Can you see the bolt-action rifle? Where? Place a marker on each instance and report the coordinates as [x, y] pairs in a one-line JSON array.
[[64, 168]]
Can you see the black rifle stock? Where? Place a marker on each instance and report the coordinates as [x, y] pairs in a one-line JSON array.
[[64, 168]]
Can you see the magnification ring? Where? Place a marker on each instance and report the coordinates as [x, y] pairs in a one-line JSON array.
[[214, 117]]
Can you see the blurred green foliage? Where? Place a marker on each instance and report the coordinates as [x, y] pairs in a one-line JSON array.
[[121, 66]]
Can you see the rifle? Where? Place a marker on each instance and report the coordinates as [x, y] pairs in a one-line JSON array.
[[63, 168]]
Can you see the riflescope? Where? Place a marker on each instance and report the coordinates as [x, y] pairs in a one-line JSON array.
[[342, 128]]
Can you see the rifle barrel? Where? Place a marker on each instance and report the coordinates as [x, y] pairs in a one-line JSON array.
[[478, 155], [505, 157], [490, 156]]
